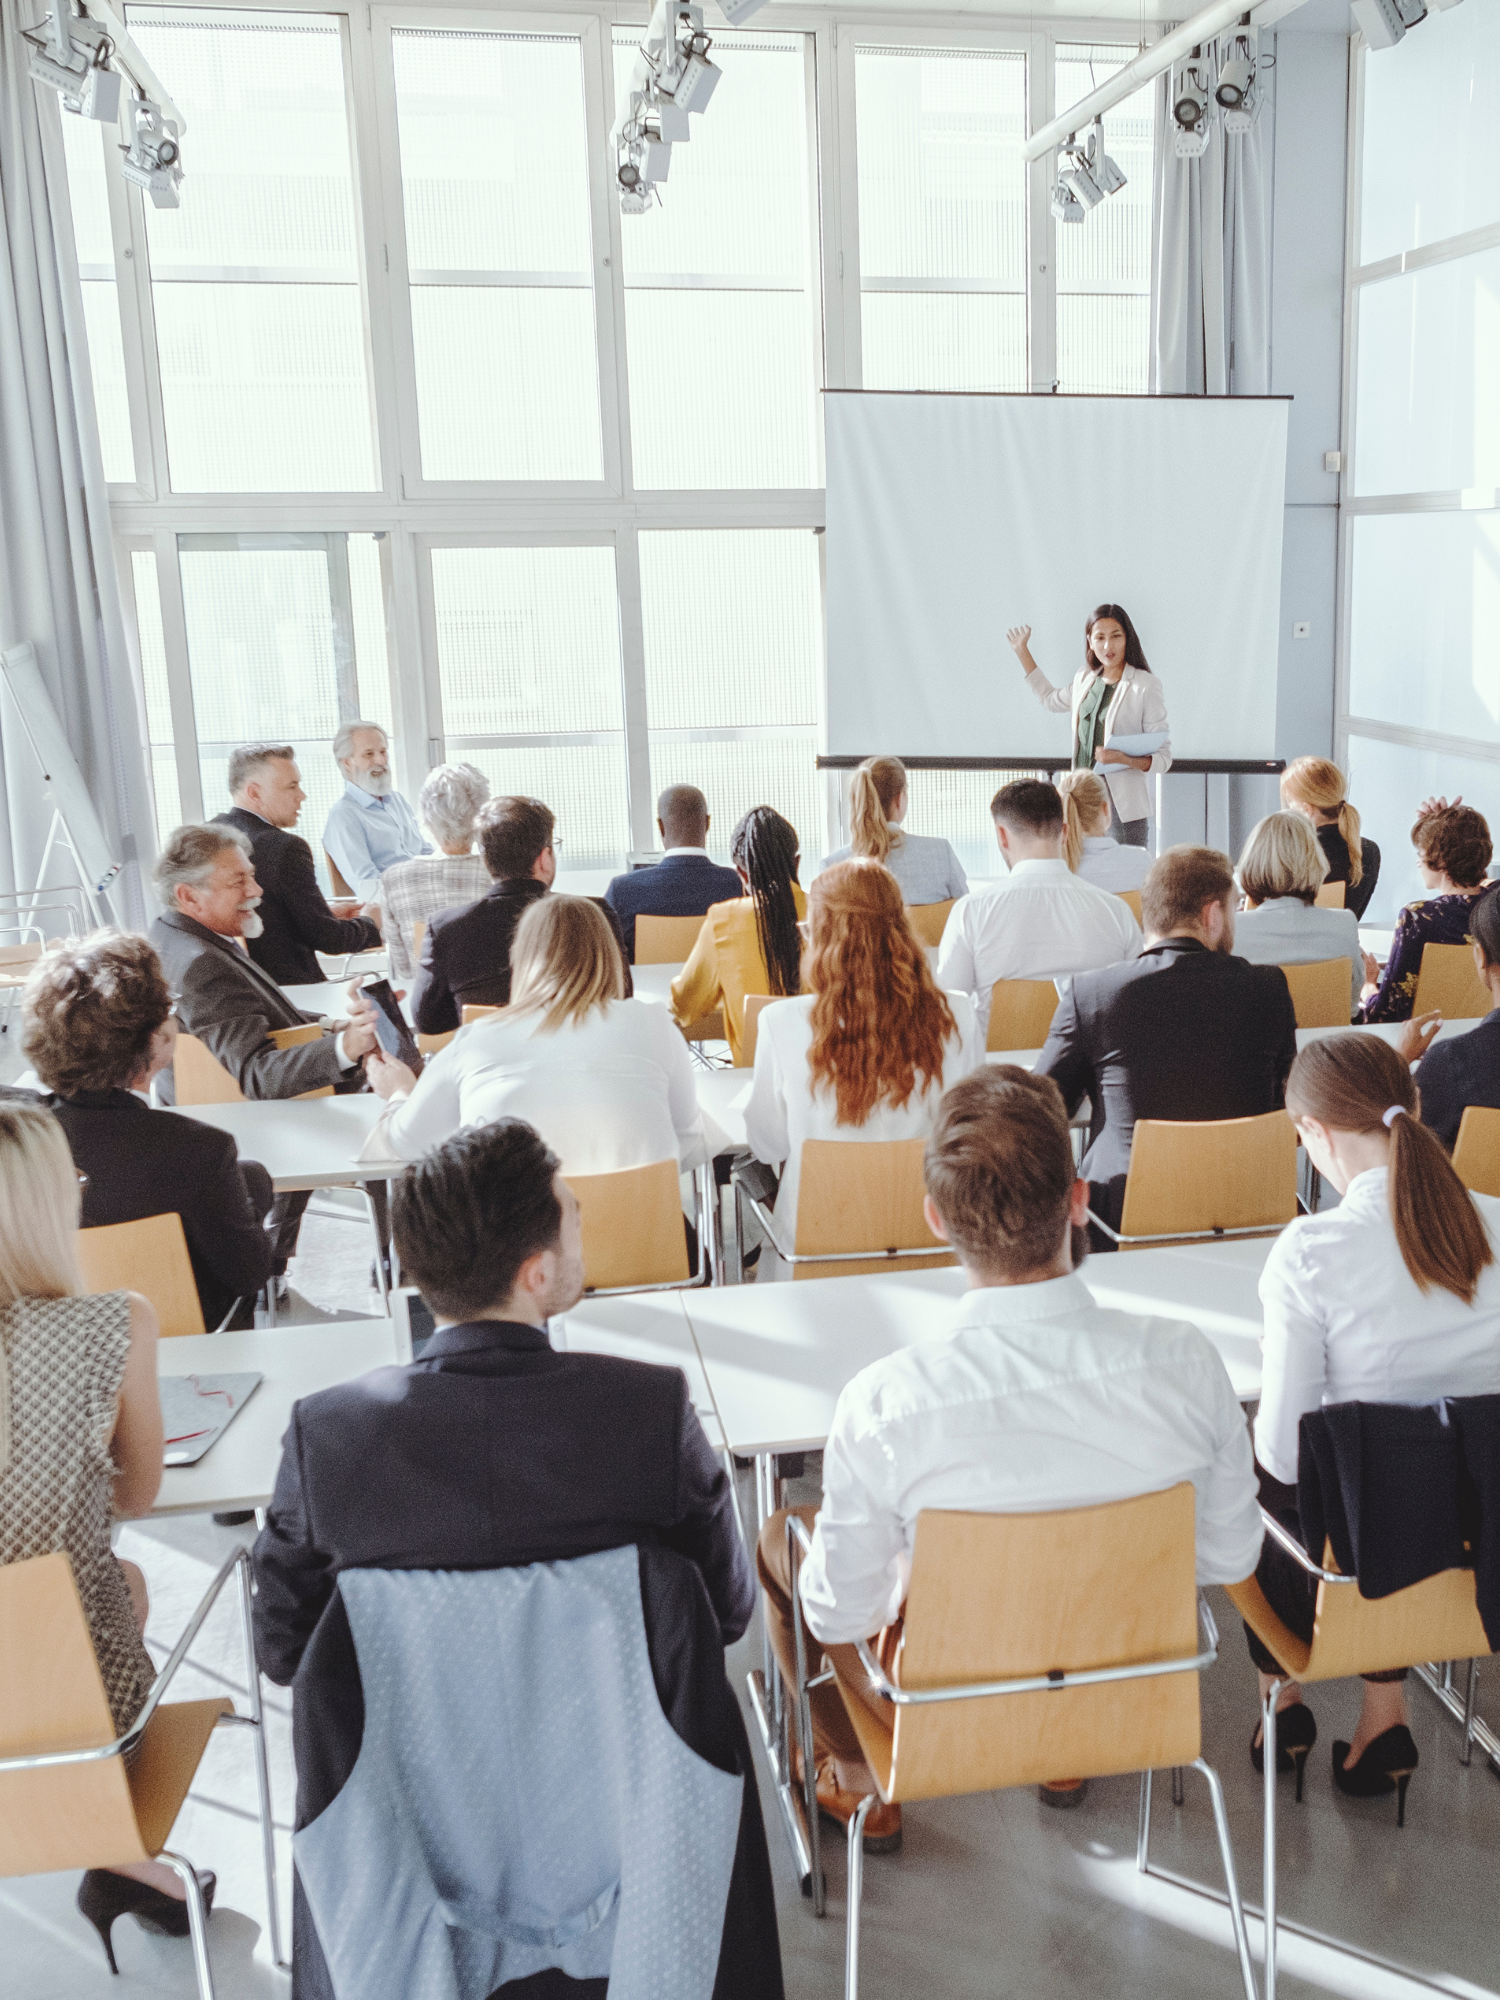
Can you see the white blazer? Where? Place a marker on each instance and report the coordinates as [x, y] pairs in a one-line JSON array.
[[1138, 707]]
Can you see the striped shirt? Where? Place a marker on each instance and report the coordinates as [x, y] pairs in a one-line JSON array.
[[413, 892]]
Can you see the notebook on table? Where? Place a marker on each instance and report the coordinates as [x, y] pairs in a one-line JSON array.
[[196, 1410]]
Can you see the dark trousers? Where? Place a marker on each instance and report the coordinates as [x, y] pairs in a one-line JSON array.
[[1291, 1593]]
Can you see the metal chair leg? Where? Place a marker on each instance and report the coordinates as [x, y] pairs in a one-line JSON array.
[[1177, 1784], [801, 1706], [856, 1887], [1231, 1882], [1268, 1835], [197, 1921], [262, 1773], [1143, 1827], [1470, 1692]]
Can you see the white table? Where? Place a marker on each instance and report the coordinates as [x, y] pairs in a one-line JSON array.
[[302, 1143], [239, 1469], [654, 1328], [654, 982], [330, 998]]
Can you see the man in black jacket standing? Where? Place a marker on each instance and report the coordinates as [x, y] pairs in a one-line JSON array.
[[266, 788]]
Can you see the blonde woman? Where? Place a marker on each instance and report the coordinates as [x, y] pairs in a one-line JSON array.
[[925, 866], [1281, 871], [1090, 850], [1315, 788], [608, 1082]]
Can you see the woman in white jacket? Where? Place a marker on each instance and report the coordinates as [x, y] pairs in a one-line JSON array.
[[1114, 693]]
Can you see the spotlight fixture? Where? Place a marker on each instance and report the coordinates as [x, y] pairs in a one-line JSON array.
[[1065, 204], [1384, 22], [74, 59], [672, 77], [153, 159], [1080, 182], [1235, 78], [1102, 167], [1190, 110]]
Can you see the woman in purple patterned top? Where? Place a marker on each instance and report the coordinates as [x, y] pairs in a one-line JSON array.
[[1453, 851]]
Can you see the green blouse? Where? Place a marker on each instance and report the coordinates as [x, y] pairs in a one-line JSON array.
[[1093, 712]]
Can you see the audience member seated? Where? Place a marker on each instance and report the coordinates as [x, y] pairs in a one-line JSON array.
[[925, 866], [1090, 850], [1037, 1400], [1465, 1069], [1392, 1297], [371, 827], [413, 892], [296, 922], [1315, 788], [1453, 851], [684, 883], [1186, 1031], [750, 945], [99, 1026], [607, 1081], [870, 1048], [1281, 871], [80, 1447], [1043, 921]]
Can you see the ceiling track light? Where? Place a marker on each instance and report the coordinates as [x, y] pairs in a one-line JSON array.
[[672, 77], [1085, 176], [72, 54], [1383, 23], [153, 159], [1190, 102]]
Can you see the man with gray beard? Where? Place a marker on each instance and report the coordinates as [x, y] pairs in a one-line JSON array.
[[371, 826]]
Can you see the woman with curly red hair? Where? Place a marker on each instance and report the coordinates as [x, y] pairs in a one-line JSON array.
[[868, 1049]]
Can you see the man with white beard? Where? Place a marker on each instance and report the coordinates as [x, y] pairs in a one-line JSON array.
[[372, 826]]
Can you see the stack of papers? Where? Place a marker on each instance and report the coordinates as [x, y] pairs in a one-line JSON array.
[[198, 1409]]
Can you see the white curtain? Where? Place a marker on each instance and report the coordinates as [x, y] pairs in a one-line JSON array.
[[58, 585], [1211, 251]]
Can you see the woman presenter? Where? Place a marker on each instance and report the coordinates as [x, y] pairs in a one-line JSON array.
[[1114, 693]]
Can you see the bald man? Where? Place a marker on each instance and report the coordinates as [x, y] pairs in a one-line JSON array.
[[684, 883]]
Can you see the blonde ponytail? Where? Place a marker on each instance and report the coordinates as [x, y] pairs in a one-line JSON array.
[[1085, 803], [1349, 828], [1315, 782], [873, 797]]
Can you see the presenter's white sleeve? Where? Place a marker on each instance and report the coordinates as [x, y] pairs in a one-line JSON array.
[[1057, 701], [1153, 721]]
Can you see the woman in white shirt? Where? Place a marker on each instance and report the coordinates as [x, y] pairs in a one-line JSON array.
[[608, 1082], [925, 866], [1392, 1297], [1090, 850], [868, 1050], [1281, 871]]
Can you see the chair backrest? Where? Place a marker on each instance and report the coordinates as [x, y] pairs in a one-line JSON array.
[[428, 1045], [632, 1227], [750, 1033], [1133, 898], [148, 1256], [863, 1195], [928, 919], [1329, 897], [1021, 1012], [1437, 1619], [472, 1011], [1225, 1173], [340, 886], [665, 940], [1447, 980], [1476, 1153], [1321, 996], [18, 958], [200, 1078]]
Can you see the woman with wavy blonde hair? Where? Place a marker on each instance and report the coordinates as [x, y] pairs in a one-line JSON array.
[[869, 1049], [1090, 849]]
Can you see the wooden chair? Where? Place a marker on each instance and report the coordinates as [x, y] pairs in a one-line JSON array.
[[1132, 897], [859, 1211], [1447, 980], [1476, 1152], [1321, 992], [148, 1256], [1021, 1012], [755, 1006], [201, 1078], [471, 1011], [1033, 1645], [1329, 897], [428, 1045], [928, 919], [341, 890], [69, 1798], [633, 1235], [1223, 1177], [665, 940]]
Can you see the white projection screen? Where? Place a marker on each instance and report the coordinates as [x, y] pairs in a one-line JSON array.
[[952, 518]]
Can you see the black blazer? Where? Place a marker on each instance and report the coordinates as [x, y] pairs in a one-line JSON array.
[[466, 954], [1181, 1032], [142, 1162], [680, 885], [298, 922], [1457, 1073]]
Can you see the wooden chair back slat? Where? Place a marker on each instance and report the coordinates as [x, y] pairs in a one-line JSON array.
[[428, 1045], [472, 1011], [665, 940], [1021, 1012], [201, 1078], [1132, 897], [928, 919], [1447, 980], [1329, 897], [755, 1005], [1476, 1154], [1320, 992], [863, 1195], [341, 888], [632, 1227], [1227, 1173], [19, 958], [1437, 1619], [148, 1256]]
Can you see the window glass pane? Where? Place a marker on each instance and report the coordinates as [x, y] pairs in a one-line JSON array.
[[1104, 262], [1427, 384], [1387, 782], [1423, 611], [494, 169], [255, 278], [942, 218], [158, 703], [955, 806], [719, 318], [1429, 133], [367, 603], [779, 771], [584, 784], [88, 196]]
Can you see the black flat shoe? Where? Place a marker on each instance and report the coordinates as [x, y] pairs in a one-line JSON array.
[[103, 1896], [1386, 1767], [1296, 1733]]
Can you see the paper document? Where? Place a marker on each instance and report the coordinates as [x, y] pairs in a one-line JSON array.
[[197, 1409], [1138, 746]]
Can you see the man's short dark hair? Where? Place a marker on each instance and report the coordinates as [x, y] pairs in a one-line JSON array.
[[999, 1169], [1179, 883], [683, 812], [1028, 805], [513, 834], [467, 1216], [247, 761]]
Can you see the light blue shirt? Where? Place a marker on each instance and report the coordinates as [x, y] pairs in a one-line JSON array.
[[366, 835]]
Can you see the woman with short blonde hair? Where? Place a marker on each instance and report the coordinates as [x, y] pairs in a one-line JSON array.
[[924, 864], [1091, 851], [1281, 871]]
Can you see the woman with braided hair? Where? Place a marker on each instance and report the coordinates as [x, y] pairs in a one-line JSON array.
[[750, 945]]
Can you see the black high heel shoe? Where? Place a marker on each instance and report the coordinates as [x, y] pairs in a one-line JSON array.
[[1386, 1767], [103, 1896], [1296, 1733]]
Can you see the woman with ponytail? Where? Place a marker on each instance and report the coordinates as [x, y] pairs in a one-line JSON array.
[[1392, 1297], [750, 945], [925, 866], [1315, 788], [1090, 850]]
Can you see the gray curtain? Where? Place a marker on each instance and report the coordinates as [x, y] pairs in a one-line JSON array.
[[58, 585], [1211, 251]]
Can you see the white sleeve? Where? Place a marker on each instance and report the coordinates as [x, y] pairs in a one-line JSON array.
[[854, 1580], [1154, 717], [968, 1056], [1228, 1530], [955, 964], [1294, 1358], [433, 1111], [1057, 701], [682, 1091], [766, 1129]]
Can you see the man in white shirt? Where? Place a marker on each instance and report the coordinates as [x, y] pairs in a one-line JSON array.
[[1043, 921], [1037, 1400]]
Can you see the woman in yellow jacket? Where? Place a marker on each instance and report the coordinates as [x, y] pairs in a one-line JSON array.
[[751, 945]]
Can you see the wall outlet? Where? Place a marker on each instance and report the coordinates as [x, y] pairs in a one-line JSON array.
[[1333, 461], [1302, 629]]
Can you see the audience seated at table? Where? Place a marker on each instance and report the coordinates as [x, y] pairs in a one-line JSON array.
[[371, 826], [1392, 1297], [1043, 921], [1038, 1399], [98, 1026], [925, 865], [296, 922], [684, 883], [1185, 1031], [607, 1081], [750, 945], [1465, 1069], [867, 1052], [1090, 850], [413, 892], [1281, 871], [1453, 851], [1314, 787]]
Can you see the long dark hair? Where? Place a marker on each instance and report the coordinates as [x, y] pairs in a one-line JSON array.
[[1134, 657], [766, 847], [1484, 924]]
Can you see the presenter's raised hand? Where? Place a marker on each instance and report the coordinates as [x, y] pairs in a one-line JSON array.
[[1020, 644]]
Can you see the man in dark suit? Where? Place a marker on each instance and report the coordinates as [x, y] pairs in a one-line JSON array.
[[296, 922], [684, 883], [1186, 1031]]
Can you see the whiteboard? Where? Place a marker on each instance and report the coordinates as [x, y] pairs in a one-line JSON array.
[[951, 518], [64, 780]]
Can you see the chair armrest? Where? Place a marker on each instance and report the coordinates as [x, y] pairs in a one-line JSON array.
[[1101, 1225], [1298, 1554]]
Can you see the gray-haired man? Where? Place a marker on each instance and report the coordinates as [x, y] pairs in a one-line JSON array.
[[371, 827]]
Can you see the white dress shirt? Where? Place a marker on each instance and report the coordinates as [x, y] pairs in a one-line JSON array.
[[614, 1090], [365, 835], [1042, 922], [1110, 865], [1037, 1400], [1346, 1322], [1287, 931]]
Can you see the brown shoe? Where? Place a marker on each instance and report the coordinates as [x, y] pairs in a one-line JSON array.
[[882, 1823], [1063, 1793]]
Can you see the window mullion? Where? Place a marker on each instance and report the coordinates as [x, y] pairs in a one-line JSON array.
[[1041, 230], [633, 690], [179, 676], [609, 269], [370, 139]]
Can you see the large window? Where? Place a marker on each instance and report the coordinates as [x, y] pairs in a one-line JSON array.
[[1104, 264]]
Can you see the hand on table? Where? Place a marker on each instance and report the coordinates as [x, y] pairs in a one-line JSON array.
[[389, 1078], [1416, 1037]]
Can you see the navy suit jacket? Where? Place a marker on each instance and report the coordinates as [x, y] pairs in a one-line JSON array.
[[680, 885], [1456, 1073]]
